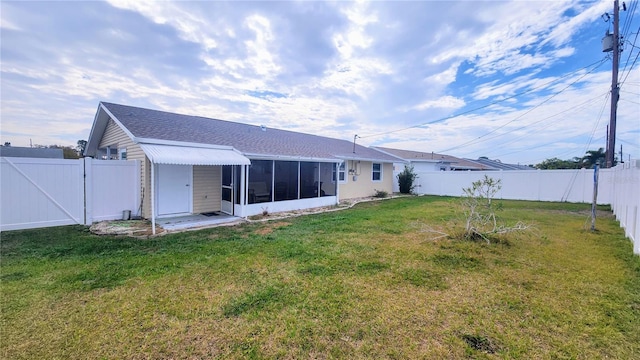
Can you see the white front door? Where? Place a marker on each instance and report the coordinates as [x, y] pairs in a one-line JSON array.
[[173, 184]]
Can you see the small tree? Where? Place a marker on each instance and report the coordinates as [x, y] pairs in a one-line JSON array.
[[478, 208], [480, 211], [406, 180]]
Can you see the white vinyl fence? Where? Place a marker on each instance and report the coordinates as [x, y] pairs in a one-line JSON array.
[[625, 201], [618, 187], [38, 193]]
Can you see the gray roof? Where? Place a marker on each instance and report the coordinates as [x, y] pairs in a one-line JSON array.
[[498, 165], [417, 156], [250, 140], [14, 151]]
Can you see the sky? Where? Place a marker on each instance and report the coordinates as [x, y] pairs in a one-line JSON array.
[[517, 81]]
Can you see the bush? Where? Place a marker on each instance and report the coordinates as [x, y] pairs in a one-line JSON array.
[[406, 180], [381, 194]]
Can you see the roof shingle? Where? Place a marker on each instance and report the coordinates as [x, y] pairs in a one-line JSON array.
[[248, 139], [456, 163]]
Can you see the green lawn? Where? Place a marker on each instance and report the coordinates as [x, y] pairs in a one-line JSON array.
[[360, 283]]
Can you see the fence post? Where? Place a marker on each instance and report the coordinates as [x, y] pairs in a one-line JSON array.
[[595, 198], [88, 190]]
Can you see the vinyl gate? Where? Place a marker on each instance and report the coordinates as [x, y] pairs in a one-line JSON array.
[[38, 193]]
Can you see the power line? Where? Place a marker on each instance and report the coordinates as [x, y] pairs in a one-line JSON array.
[[544, 127], [600, 62], [629, 57], [629, 18], [606, 99], [634, 62], [525, 113]]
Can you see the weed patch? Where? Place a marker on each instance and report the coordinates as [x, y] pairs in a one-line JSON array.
[[263, 298], [480, 343]]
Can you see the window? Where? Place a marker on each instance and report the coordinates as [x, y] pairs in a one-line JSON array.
[[327, 187], [286, 180], [341, 173], [108, 153], [376, 174], [289, 180], [260, 180], [309, 175]]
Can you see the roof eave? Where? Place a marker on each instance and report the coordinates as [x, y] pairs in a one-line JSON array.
[[100, 123]]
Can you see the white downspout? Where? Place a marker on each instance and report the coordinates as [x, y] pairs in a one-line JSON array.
[[153, 200]]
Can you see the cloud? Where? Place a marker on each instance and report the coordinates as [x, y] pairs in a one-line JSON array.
[[509, 42], [445, 77], [448, 102]]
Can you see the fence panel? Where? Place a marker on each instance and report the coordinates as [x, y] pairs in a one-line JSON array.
[[536, 185], [112, 186], [40, 193], [626, 199]]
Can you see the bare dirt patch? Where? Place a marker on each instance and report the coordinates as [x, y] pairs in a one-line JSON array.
[[270, 227]]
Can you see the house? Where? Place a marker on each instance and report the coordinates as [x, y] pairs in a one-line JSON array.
[[425, 162], [498, 165], [193, 164], [28, 152]]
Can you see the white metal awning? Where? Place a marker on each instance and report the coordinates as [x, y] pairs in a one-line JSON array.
[[187, 155]]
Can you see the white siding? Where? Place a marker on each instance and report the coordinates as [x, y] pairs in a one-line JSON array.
[[114, 136]]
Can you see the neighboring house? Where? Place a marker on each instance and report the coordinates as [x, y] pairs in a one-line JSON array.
[[425, 162], [16, 151], [193, 164], [498, 165]]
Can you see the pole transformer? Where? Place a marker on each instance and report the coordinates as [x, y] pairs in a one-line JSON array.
[[611, 139]]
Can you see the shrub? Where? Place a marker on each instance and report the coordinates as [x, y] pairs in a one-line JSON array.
[[381, 194], [406, 180]]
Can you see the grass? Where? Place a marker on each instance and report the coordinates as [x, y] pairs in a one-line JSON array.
[[358, 283]]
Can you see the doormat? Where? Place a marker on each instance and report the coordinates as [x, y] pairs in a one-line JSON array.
[[210, 214]]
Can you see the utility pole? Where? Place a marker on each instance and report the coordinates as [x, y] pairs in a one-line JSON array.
[[611, 139]]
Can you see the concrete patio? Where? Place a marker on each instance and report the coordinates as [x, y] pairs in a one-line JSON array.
[[196, 221]]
